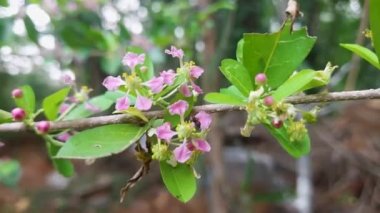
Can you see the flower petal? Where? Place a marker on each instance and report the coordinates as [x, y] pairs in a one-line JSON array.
[[182, 153], [112, 83], [143, 103]]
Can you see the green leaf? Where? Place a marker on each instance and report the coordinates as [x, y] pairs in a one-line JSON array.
[[374, 17], [276, 54], [232, 90], [220, 98], [321, 78], [149, 73], [63, 166], [294, 84], [179, 180], [4, 3], [238, 75], [31, 29], [294, 148], [364, 53], [102, 102], [27, 101], [101, 141], [239, 51], [52, 103], [5, 116], [10, 172]]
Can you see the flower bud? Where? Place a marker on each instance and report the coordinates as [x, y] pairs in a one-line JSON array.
[[17, 93], [18, 114], [277, 123], [268, 101], [43, 127], [160, 152], [260, 79]]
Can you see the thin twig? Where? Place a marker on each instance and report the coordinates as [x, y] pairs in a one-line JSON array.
[[86, 123]]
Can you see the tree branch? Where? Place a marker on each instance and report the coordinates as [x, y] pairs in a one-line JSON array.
[[86, 123]]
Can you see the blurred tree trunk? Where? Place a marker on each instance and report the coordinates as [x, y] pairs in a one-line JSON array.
[[355, 60], [210, 82]]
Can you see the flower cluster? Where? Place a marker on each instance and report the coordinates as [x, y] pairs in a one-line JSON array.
[[262, 108], [170, 90]]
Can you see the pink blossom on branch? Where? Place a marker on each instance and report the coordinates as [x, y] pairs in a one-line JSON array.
[[133, 59], [201, 145], [182, 153], [174, 52], [122, 103], [196, 71], [204, 119], [168, 76], [143, 103], [185, 90], [196, 88], [178, 108], [155, 84], [113, 83], [164, 132]]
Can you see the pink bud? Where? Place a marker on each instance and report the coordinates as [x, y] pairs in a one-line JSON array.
[[268, 101], [18, 114], [277, 123], [260, 79], [17, 93], [43, 127]]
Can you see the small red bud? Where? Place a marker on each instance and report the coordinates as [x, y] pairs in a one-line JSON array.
[[190, 146], [277, 123], [43, 127], [17, 93], [260, 79], [268, 101], [18, 114]]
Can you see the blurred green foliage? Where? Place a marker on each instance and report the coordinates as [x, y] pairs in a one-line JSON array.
[[90, 37]]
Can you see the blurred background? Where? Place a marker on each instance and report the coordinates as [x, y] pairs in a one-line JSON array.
[[42, 39]]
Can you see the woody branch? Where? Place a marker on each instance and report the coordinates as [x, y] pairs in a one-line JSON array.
[[86, 123]]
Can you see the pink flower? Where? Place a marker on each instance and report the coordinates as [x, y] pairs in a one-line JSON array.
[[168, 76], [201, 145], [112, 83], [196, 88], [67, 79], [122, 103], [174, 52], [178, 108], [204, 119], [196, 71], [91, 107], [64, 136], [143, 103], [156, 84], [184, 89], [182, 153], [43, 127], [164, 132], [133, 59]]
